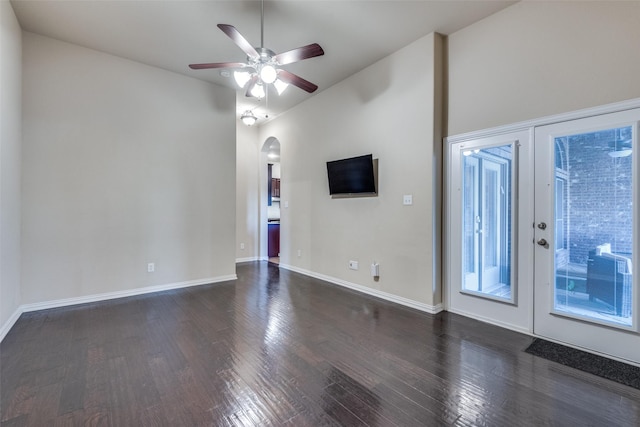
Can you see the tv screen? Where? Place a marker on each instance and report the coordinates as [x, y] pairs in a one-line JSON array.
[[351, 176]]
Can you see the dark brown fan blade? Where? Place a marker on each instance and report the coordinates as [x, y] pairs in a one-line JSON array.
[[217, 65], [295, 80], [238, 39], [295, 55], [251, 84]]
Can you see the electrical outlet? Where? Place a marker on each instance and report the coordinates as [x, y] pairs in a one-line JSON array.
[[353, 265], [242, 246], [151, 267], [299, 253], [407, 199], [375, 269]]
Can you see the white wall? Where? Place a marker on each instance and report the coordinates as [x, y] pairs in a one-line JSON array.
[[10, 141], [536, 59], [387, 110], [123, 164], [248, 196]]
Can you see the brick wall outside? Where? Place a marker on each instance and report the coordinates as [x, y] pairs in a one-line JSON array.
[[599, 195]]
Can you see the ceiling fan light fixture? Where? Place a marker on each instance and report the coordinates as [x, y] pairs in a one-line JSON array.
[[620, 153], [248, 118], [242, 78], [262, 63], [268, 74], [280, 86], [258, 91], [622, 144]]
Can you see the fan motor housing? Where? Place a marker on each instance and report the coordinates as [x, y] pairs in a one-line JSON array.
[[265, 55]]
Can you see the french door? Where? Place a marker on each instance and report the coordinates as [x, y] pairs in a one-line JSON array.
[[586, 234], [543, 232]]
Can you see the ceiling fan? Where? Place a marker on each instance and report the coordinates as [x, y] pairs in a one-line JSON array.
[[263, 66]]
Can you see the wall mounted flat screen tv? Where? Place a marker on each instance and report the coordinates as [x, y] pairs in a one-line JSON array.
[[355, 175]]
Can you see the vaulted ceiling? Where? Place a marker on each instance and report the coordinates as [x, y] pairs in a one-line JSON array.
[[174, 33]]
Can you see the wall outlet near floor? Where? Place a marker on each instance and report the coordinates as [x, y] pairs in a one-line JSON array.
[[353, 265], [151, 267], [242, 246], [299, 253]]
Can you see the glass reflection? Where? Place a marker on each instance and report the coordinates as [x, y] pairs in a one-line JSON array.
[[593, 225], [486, 222]]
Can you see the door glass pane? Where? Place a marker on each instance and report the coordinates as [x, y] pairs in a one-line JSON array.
[[491, 215], [486, 225], [560, 200], [469, 217], [593, 225]]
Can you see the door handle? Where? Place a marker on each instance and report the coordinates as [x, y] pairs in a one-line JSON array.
[[543, 242]]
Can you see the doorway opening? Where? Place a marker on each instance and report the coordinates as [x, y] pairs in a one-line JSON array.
[[271, 148]]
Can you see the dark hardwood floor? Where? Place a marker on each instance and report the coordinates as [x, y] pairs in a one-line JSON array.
[[275, 348]]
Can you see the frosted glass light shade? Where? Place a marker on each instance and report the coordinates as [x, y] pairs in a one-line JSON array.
[[268, 74], [258, 91], [241, 77], [248, 118], [280, 86]]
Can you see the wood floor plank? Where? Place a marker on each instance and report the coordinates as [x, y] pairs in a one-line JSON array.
[[276, 348], [15, 422]]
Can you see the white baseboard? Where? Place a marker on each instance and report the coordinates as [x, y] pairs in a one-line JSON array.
[[9, 323], [150, 289], [248, 259], [431, 309], [122, 294], [106, 296]]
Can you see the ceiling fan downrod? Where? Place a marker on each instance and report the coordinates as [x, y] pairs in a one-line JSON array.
[[262, 25]]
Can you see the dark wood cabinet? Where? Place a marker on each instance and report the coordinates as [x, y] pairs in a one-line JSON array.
[[275, 187], [274, 240]]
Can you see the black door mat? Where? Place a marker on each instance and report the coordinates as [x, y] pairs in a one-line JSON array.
[[611, 369]]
